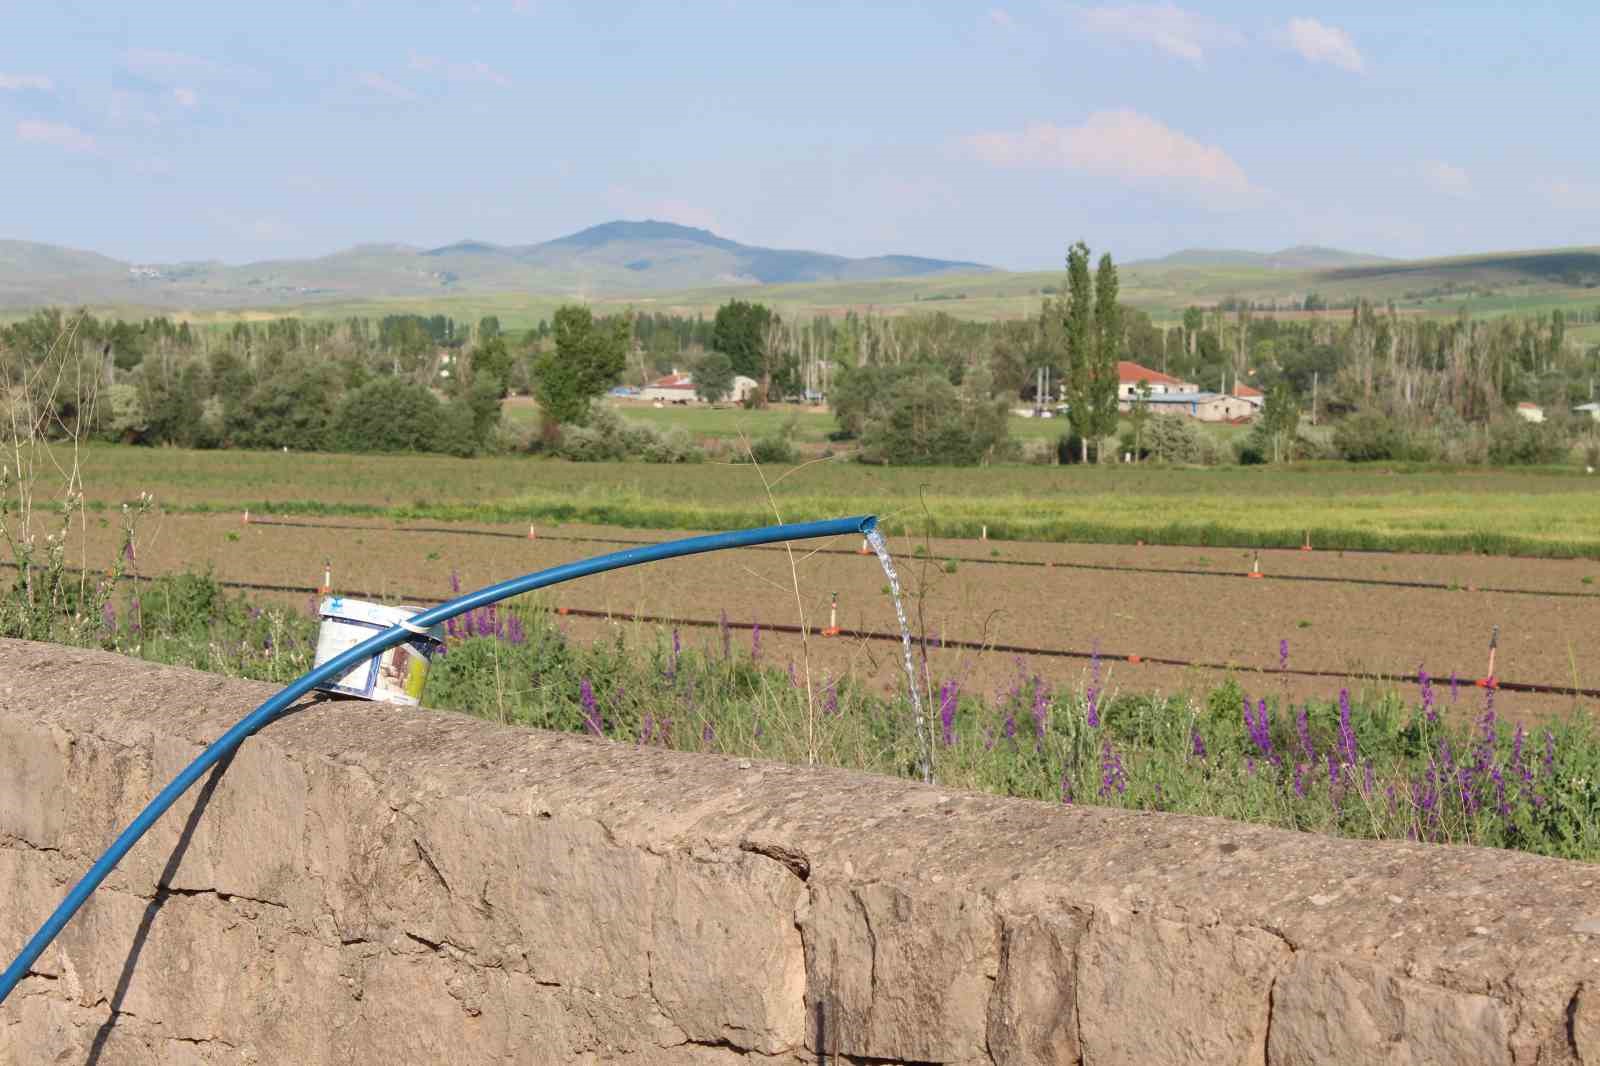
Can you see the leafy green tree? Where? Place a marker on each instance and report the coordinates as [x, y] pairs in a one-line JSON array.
[[1078, 336], [491, 362], [923, 420], [586, 360], [292, 409], [388, 414], [740, 333], [713, 377], [1107, 350], [1280, 420]]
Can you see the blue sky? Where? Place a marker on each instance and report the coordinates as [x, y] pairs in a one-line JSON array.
[[998, 132]]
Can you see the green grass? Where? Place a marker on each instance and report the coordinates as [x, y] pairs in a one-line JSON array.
[[1553, 512]]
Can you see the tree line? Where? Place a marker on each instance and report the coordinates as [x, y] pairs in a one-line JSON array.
[[918, 388]]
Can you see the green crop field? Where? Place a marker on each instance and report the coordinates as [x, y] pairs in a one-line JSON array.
[[1549, 512]]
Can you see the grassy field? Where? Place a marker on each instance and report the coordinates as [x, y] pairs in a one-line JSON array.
[[1552, 512]]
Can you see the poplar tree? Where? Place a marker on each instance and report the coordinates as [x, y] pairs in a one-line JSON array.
[[1077, 317], [1107, 351]]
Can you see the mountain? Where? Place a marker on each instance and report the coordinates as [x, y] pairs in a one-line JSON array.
[[612, 259], [1300, 257]]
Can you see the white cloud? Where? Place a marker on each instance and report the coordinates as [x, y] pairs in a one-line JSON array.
[[37, 82], [1119, 144], [67, 138], [1166, 27], [171, 68], [186, 97], [380, 84], [1321, 43], [1445, 178], [1568, 194], [999, 16], [473, 72]]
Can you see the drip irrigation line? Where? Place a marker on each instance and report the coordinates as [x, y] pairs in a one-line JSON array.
[[1534, 687], [978, 560]]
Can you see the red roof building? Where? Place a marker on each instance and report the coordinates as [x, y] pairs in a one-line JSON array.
[[1130, 374]]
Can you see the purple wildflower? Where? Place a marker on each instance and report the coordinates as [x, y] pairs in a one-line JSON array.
[[677, 647], [948, 695], [1425, 683], [127, 550], [1347, 734], [1454, 686], [1258, 726], [514, 632], [647, 728], [108, 618], [708, 736], [1091, 700], [1283, 654], [1041, 707], [1066, 788], [1302, 728], [1300, 780], [455, 582], [1197, 743], [755, 643], [1009, 728], [135, 616], [830, 701], [1111, 772], [592, 720]]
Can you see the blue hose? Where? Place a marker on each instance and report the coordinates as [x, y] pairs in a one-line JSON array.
[[377, 645]]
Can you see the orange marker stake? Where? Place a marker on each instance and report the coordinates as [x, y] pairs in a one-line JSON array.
[[833, 617], [1255, 567]]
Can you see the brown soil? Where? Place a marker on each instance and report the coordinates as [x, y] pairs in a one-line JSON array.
[[1219, 616]]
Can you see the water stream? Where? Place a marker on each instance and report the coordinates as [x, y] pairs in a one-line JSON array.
[[924, 754]]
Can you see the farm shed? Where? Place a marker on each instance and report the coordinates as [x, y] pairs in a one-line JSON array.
[[678, 387], [1530, 412], [1252, 396], [1204, 406], [1591, 410]]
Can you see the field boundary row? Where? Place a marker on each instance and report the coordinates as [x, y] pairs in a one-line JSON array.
[[1532, 687], [978, 560]]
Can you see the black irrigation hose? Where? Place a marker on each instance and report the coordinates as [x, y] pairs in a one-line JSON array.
[[956, 644], [1376, 582]]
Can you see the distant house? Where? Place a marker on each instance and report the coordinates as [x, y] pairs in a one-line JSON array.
[[678, 388], [1204, 406], [1130, 374], [1530, 412], [1252, 396], [1590, 409]]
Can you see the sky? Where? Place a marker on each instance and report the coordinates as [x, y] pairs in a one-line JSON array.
[[994, 132]]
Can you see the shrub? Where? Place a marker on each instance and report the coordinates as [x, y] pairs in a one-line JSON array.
[[388, 414], [1368, 436], [608, 437], [1177, 439], [1515, 442]]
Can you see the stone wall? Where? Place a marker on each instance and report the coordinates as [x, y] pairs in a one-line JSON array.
[[367, 884]]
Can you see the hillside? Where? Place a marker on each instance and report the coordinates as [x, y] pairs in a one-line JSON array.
[[616, 258], [1300, 257]]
